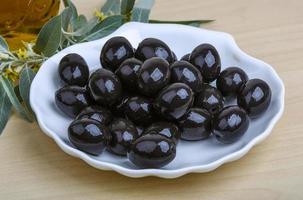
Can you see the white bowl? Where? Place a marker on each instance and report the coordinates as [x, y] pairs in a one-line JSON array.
[[200, 156]]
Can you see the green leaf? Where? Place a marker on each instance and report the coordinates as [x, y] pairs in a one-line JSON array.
[[127, 6], [104, 28], [84, 29], [49, 37], [69, 3], [80, 22], [195, 23], [3, 45], [141, 10], [111, 7], [5, 108], [9, 90], [26, 77], [66, 16]]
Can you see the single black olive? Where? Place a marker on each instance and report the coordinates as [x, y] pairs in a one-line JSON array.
[[98, 113], [105, 87], [139, 110], [123, 134], [184, 72], [89, 136], [73, 70], [152, 151], [153, 76], [231, 81], [174, 57], [230, 124], [186, 57], [152, 47], [115, 51], [72, 100], [255, 97], [128, 73], [195, 124], [210, 98], [166, 129], [206, 58], [174, 101]]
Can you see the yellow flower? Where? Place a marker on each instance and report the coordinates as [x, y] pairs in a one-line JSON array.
[[11, 74], [100, 15], [22, 53]]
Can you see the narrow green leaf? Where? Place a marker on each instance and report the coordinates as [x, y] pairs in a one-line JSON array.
[[104, 28], [9, 90], [127, 6], [3, 45], [49, 37], [111, 7], [141, 10], [195, 23], [80, 22], [5, 108], [26, 77], [84, 29], [69, 3], [66, 16]]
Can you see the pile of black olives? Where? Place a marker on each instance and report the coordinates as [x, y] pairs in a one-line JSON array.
[[144, 100]]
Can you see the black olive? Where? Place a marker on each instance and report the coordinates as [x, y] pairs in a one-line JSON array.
[[184, 72], [153, 76], [128, 73], [73, 70], [139, 110], [174, 101], [115, 51], [186, 57], [118, 108], [231, 81], [230, 124], [206, 58], [98, 113], [123, 134], [152, 151], [174, 57], [195, 124], [255, 97], [105, 87], [89, 136], [72, 100], [210, 98], [166, 129], [152, 47]]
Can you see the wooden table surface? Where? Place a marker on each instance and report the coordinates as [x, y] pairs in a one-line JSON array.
[[33, 167]]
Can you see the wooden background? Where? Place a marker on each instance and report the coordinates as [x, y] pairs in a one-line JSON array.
[[33, 167]]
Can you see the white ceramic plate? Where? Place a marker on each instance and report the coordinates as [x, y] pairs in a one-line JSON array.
[[201, 156]]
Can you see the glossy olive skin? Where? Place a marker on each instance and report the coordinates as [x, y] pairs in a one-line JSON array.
[[255, 97], [206, 58], [105, 87], [73, 70], [98, 113], [210, 98], [230, 124], [115, 51], [89, 136], [152, 47], [123, 134], [184, 72], [139, 110], [128, 73], [174, 101], [153, 76], [118, 108], [231, 81], [72, 100], [174, 57], [195, 124], [152, 151], [166, 129], [186, 57]]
